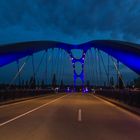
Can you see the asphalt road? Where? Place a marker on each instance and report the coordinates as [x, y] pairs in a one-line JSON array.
[[67, 117]]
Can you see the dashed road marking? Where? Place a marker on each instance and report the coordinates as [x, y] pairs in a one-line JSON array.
[[79, 115]]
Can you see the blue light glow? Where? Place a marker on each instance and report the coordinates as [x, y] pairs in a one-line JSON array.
[[129, 59]]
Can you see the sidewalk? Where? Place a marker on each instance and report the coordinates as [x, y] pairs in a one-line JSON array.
[[132, 109]]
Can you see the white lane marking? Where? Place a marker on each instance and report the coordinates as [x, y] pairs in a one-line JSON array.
[[79, 115], [26, 100], [24, 114], [119, 108]]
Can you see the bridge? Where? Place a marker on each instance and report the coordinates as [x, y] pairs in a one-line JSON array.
[[127, 53], [55, 105]]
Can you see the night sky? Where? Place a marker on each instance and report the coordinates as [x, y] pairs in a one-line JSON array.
[[71, 21]]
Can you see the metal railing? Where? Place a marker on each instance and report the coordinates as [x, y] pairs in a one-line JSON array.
[[11, 94], [127, 96]]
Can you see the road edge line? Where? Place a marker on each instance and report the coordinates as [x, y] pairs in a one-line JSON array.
[[119, 107], [28, 112], [14, 102]]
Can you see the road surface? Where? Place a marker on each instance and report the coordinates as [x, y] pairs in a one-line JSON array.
[[67, 117]]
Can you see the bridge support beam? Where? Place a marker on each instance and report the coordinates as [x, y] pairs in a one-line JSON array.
[[75, 74]]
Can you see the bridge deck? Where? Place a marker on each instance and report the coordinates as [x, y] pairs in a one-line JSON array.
[[67, 117]]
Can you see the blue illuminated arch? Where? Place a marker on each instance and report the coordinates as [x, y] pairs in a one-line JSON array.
[[125, 52]]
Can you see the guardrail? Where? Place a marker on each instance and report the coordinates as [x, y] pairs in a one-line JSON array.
[[130, 97], [12, 94]]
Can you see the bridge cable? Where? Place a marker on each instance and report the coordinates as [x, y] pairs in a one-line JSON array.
[[57, 66], [33, 66], [90, 65], [96, 61], [108, 70], [70, 65], [44, 73], [92, 74], [19, 76], [52, 70], [94, 71], [103, 64], [63, 72], [118, 72], [99, 68], [19, 71], [88, 69], [50, 67], [46, 70], [60, 67], [59, 54], [37, 69]]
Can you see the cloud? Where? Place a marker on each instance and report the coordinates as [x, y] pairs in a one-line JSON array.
[[74, 21]]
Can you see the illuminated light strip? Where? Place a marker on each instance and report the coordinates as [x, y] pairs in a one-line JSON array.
[[35, 109], [119, 108]]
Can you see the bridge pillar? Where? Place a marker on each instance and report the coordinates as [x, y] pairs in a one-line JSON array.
[[75, 74]]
